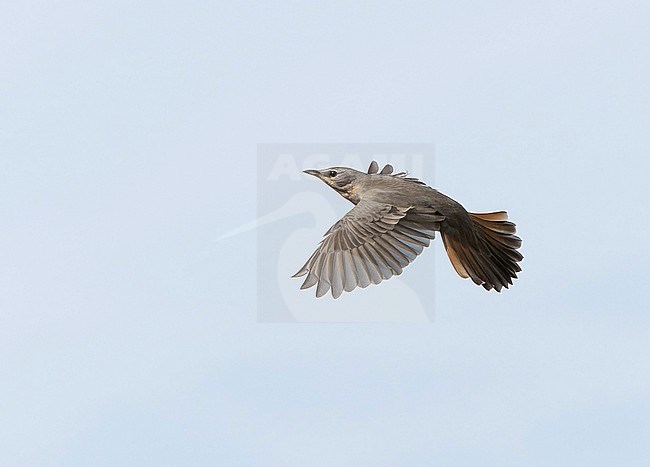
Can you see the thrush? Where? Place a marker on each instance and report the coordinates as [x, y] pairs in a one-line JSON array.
[[395, 217]]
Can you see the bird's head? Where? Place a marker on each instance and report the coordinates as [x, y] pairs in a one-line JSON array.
[[342, 179]]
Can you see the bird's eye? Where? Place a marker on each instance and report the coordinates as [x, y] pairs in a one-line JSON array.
[[333, 173]]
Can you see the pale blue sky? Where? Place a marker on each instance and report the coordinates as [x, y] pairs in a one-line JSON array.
[[128, 135]]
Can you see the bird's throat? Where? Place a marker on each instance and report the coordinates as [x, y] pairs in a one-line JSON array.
[[348, 192]]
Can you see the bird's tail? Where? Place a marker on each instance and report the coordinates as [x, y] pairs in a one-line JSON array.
[[488, 253]]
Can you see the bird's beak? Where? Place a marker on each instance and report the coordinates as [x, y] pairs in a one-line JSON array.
[[315, 173]]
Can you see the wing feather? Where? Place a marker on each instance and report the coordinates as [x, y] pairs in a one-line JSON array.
[[370, 244], [362, 271], [350, 276]]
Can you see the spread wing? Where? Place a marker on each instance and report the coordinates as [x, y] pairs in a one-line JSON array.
[[371, 243]]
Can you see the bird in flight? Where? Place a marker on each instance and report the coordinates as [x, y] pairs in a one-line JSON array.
[[395, 217]]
